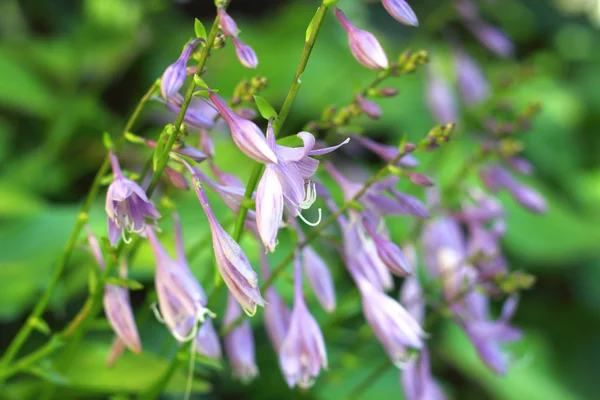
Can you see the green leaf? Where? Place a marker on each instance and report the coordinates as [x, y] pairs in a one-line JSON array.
[[264, 108], [124, 282], [199, 29], [40, 325], [200, 82], [311, 26], [290, 141]]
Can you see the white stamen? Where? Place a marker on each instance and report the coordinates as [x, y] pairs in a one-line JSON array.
[[125, 238], [190, 378], [307, 222], [159, 317]]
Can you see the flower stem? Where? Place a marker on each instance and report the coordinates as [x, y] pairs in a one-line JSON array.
[[42, 304]]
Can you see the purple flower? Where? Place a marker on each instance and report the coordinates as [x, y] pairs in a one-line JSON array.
[[245, 54], [472, 83], [227, 23], [492, 38], [401, 11], [417, 382], [174, 76], [395, 328], [207, 341], [387, 153], [117, 306], [444, 250], [496, 177], [319, 278], [232, 262], [199, 114], [370, 108], [239, 344], [177, 178], [277, 314], [411, 205], [520, 165], [389, 252], [207, 144], [363, 45], [302, 354], [247, 136], [183, 149], [283, 183], [127, 205], [440, 98], [181, 299], [485, 334]]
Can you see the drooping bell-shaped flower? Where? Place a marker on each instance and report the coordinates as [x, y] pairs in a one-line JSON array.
[[239, 344], [246, 134], [319, 277], [227, 23], [401, 12], [363, 45], [117, 306], [387, 153], [472, 83], [207, 341], [277, 313], [369, 108], [237, 273], [391, 255], [440, 98], [174, 76], [492, 38], [417, 382], [285, 183], [181, 299], [302, 354], [394, 327], [127, 205], [245, 54]]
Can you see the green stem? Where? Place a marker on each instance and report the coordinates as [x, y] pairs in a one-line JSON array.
[[42, 304]]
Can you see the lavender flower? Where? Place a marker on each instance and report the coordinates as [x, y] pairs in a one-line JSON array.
[[239, 344], [363, 45], [117, 305], [389, 252], [401, 11], [181, 299], [232, 262], [387, 153], [417, 382], [199, 114], [174, 76], [302, 354], [440, 98], [207, 341], [127, 205], [472, 83], [177, 178], [247, 136], [369, 108], [277, 314], [245, 54], [284, 183], [319, 278], [207, 144], [492, 38], [227, 23]]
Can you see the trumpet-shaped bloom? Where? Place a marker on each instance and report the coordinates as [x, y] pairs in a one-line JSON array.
[[247, 136], [207, 341], [181, 299], [127, 205], [239, 344], [174, 76], [284, 183], [363, 45], [401, 11]]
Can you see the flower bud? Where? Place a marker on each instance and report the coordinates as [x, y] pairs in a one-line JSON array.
[[401, 12], [440, 99], [319, 278], [363, 45], [418, 178], [227, 23], [387, 92], [370, 108], [207, 341], [492, 38], [472, 83], [245, 54], [174, 76], [239, 344]]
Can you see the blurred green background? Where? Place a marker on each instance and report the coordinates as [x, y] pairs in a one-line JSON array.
[[70, 70]]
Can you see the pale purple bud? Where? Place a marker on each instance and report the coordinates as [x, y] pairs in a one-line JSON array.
[[363, 45], [530, 199], [319, 277], [246, 112], [466, 9], [394, 327], [411, 205], [370, 108], [387, 92], [520, 165], [387, 153], [207, 144], [277, 314], [207, 341], [239, 344], [492, 38], [245, 54], [418, 178], [389, 252], [401, 12], [174, 76], [232, 262], [269, 207], [227, 23], [127, 206], [411, 297], [247, 136], [199, 114], [472, 83], [417, 382], [177, 178], [440, 99], [496, 177]]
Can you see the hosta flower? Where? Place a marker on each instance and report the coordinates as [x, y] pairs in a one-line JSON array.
[[319, 277], [277, 314], [391, 255], [239, 344], [174, 76], [247, 136], [232, 262], [440, 98], [245, 54], [417, 382], [401, 11], [492, 38], [471, 80], [199, 114], [285, 183], [117, 305], [181, 299], [387, 153], [369, 108], [227, 23], [127, 205], [363, 45], [302, 354], [207, 341]]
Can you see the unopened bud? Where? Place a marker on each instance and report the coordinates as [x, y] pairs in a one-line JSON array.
[[370, 108], [418, 178]]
